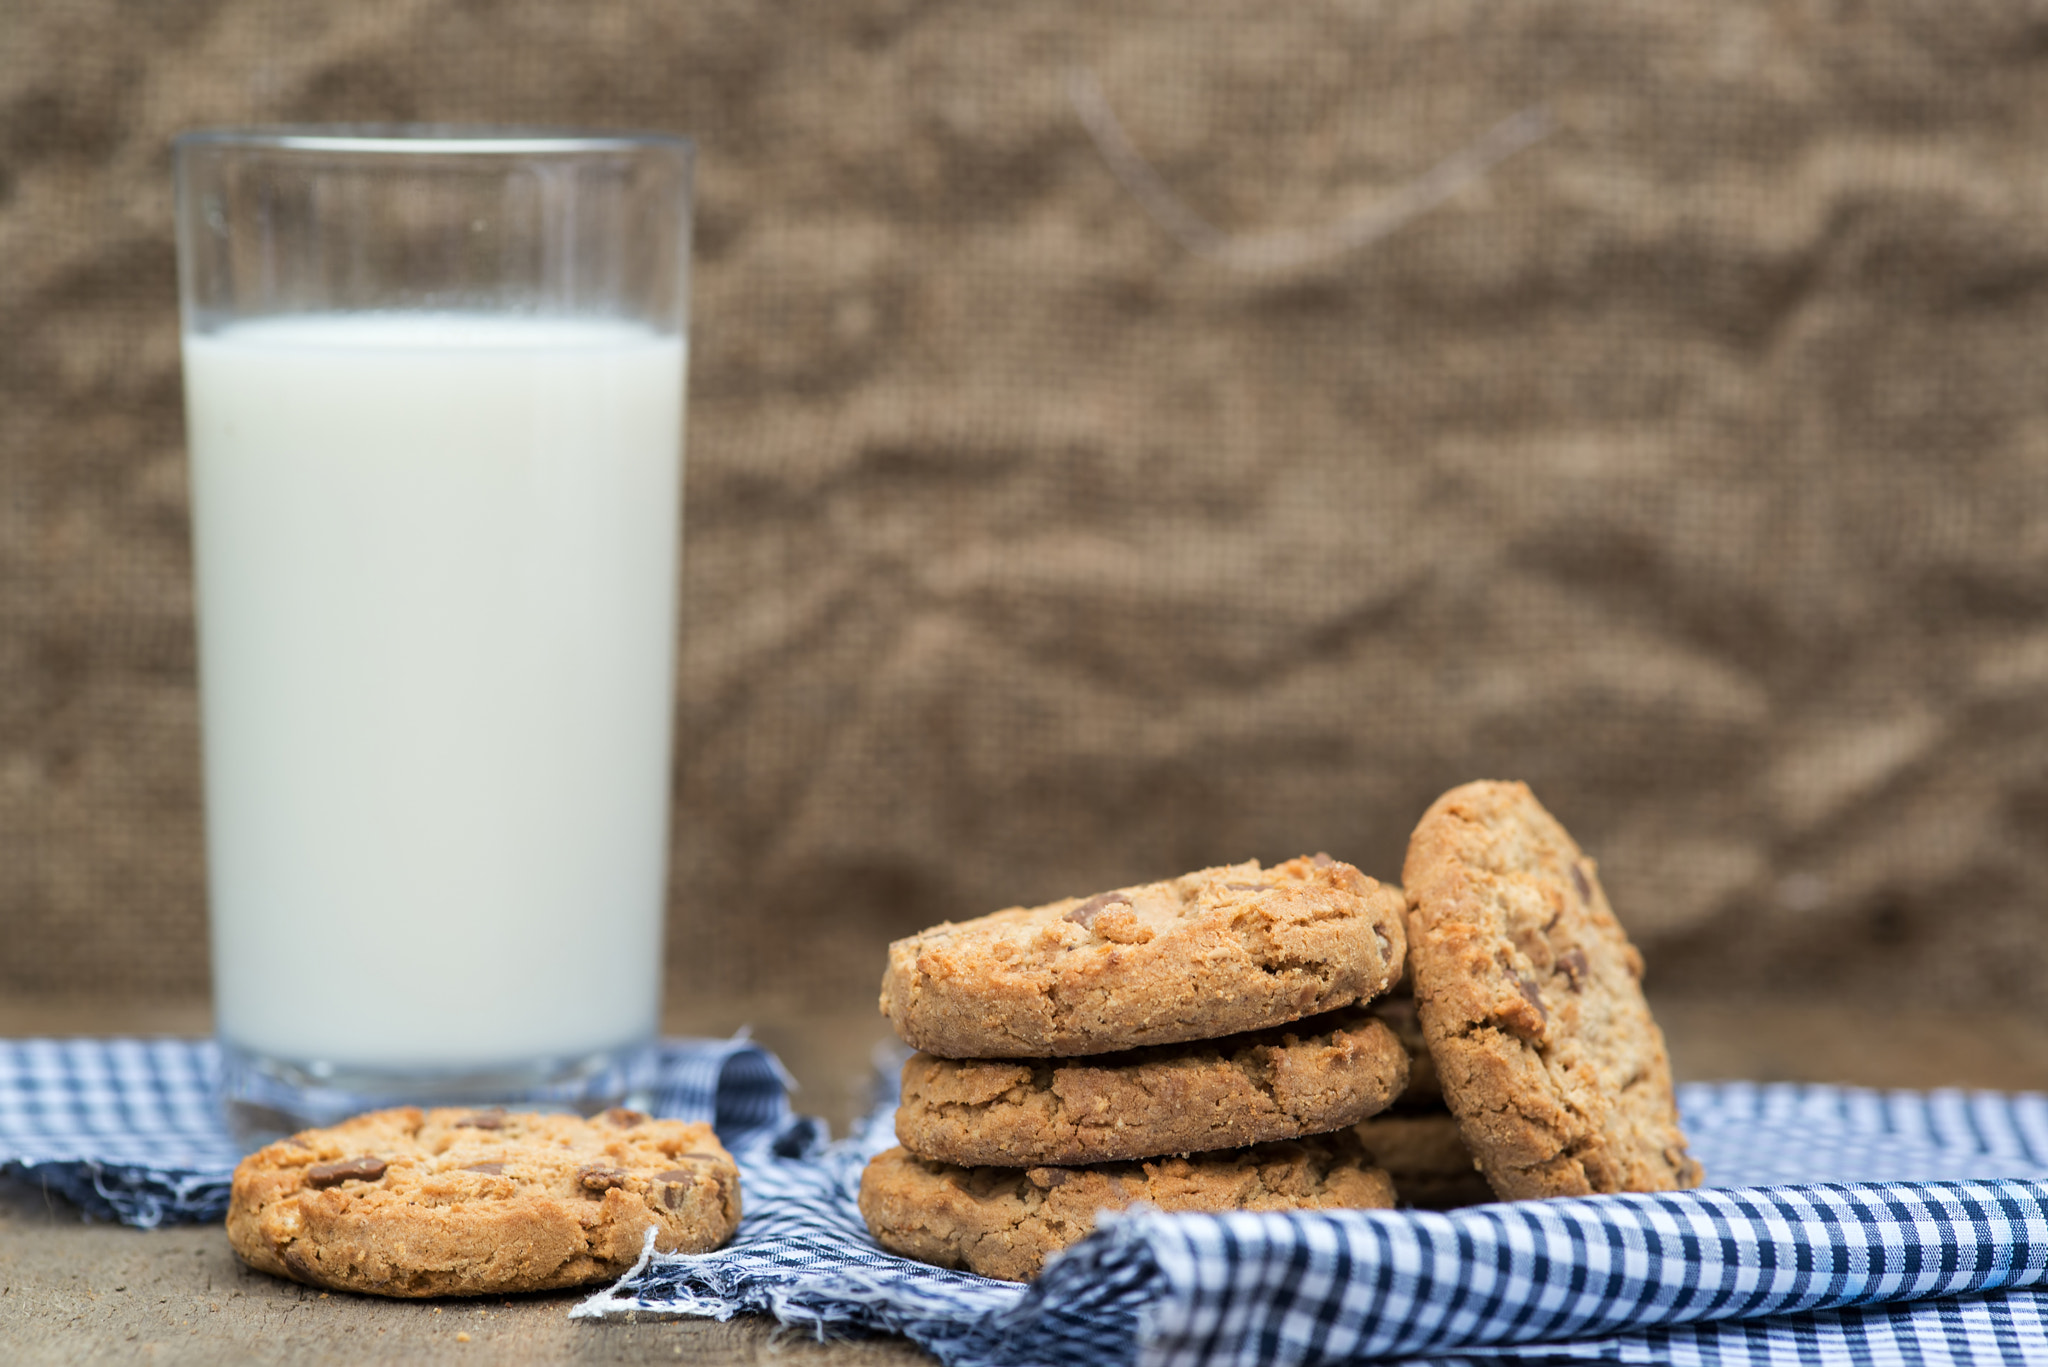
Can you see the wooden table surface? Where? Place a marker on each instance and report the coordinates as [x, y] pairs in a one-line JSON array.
[[74, 1291]]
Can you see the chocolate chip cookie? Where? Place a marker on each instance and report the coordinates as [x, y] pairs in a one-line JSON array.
[[1217, 952], [464, 1203], [1005, 1222], [1313, 1076], [1532, 1005]]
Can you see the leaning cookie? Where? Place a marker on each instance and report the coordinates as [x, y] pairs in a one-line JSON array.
[[1313, 1076], [1212, 953], [1532, 1007], [1005, 1222], [463, 1203]]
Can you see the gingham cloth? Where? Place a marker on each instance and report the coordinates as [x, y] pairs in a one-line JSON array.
[[130, 1129], [1846, 1227]]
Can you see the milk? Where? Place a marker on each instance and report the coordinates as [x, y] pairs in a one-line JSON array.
[[437, 563]]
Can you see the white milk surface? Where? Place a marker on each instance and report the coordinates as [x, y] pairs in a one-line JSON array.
[[437, 563]]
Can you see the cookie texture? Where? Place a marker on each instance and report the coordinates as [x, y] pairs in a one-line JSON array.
[[1426, 1156], [1317, 1075], [1005, 1222], [1531, 1002], [460, 1203], [1216, 952]]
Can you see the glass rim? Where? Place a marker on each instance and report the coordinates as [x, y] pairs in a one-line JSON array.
[[417, 139]]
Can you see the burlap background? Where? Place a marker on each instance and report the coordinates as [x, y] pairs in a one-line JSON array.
[[1693, 467]]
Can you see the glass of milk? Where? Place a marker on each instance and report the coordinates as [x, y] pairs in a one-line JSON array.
[[434, 396]]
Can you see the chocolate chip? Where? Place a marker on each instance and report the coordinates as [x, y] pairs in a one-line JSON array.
[[1532, 996], [624, 1118], [1583, 884], [596, 1177], [1085, 914], [675, 1184], [488, 1169], [493, 1119], [324, 1175], [1047, 1178], [1573, 962]]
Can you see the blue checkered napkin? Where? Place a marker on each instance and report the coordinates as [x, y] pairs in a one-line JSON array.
[[126, 1128], [1847, 1227], [130, 1130]]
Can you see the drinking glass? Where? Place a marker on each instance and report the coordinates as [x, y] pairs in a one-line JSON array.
[[434, 388]]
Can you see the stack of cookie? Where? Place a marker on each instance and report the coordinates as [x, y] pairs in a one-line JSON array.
[[1195, 1044], [1230, 1018]]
